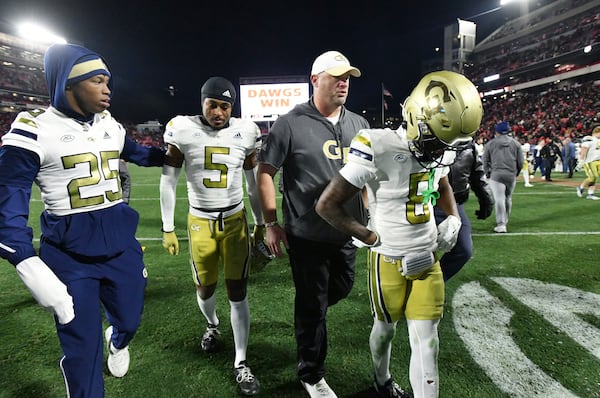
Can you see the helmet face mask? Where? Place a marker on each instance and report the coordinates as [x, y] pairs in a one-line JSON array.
[[443, 112]]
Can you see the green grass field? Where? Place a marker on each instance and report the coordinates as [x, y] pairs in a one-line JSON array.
[[522, 318]]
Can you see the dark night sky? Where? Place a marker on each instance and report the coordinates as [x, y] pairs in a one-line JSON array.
[[150, 47]]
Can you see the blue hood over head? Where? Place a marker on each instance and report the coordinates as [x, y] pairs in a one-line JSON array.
[[68, 64]]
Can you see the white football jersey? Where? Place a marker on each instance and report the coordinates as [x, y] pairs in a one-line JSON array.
[[593, 145], [213, 159], [79, 162], [396, 182]]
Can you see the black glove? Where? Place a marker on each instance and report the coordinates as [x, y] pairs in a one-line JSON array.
[[485, 210]]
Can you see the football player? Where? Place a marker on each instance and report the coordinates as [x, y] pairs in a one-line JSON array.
[[590, 158], [88, 254], [405, 174], [216, 149], [526, 148]]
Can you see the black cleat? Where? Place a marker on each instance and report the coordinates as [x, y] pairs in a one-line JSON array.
[[210, 339], [245, 380], [390, 389]]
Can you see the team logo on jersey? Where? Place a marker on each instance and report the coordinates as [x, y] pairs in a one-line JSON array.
[[67, 138], [400, 157]]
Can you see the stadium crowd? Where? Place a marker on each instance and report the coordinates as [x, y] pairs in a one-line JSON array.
[[555, 113]]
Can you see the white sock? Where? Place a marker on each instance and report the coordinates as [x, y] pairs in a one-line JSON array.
[[240, 324], [591, 191], [424, 345], [380, 342], [526, 177], [208, 308]]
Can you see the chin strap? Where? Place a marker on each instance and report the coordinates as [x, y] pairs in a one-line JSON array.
[[430, 194]]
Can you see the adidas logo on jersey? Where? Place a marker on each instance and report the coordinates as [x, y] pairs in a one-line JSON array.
[[106, 136], [237, 135], [226, 93]]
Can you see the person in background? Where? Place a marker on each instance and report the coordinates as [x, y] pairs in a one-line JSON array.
[[405, 173], [526, 148], [502, 162], [311, 144], [538, 162], [569, 155], [549, 153], [590, 157], [88, 256], [479, 147], [466, 174], [216, 149]]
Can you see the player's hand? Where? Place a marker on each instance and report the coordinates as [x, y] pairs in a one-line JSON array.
[[448, 233], [46, 288], [170, 243]]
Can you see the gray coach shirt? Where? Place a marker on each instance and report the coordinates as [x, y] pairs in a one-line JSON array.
[[311, 151]]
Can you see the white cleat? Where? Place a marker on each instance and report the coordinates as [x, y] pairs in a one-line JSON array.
[[118, 359], [500, 229], [592, 197], [319, 390]]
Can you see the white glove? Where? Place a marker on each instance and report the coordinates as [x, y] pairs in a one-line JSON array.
[[416, 264], [359, 243], [46, 288], [448, 233]]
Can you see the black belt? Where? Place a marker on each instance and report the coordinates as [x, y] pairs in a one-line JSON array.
[[220, 210]]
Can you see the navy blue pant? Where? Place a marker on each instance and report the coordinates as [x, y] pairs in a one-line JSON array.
[[323, 275], [453, 261], [117, 284]]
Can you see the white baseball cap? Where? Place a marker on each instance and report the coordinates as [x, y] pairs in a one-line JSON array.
[[335, 64]]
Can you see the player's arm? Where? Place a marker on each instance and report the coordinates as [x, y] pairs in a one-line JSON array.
[[330, 208], [520, 159], [18, 168], [446, 200], [141, 155], [168, 190], [250, 171], [583, 153], [266, 190], [449, 228]]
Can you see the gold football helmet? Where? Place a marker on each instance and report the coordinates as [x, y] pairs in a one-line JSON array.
[[443, 112]]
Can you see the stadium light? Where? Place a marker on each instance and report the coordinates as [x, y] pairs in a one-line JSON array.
[[38, 33], [504, 2]]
